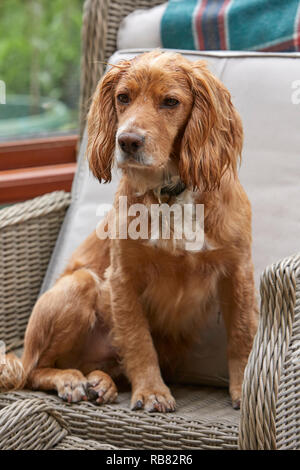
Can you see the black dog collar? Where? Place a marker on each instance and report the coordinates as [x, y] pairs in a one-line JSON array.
[[172, 190]]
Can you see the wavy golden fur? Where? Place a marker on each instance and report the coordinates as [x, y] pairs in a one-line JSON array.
[[131, 306]]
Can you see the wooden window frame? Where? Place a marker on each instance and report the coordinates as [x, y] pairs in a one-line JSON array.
[[30, 168]]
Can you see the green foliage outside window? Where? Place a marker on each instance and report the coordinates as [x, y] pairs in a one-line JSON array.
[[40, 43]]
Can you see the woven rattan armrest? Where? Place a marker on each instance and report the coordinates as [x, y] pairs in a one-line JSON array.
[[28, 232], [270, 415]]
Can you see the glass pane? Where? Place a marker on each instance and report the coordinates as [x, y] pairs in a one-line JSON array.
[[40, 44]]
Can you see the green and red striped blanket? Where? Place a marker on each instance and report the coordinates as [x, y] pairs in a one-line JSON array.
[[252, 25]]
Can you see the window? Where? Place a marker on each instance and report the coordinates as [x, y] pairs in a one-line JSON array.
[[40, 43]]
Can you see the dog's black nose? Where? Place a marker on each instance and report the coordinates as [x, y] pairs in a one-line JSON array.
[[130, 142]]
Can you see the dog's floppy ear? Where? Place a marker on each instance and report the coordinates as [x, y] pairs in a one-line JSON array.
[[102, 124], [213, 137]]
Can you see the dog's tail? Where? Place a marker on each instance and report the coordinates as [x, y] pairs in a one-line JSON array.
[[12, 373]]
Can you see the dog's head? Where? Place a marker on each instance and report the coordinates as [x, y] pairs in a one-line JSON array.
[[163, 114]]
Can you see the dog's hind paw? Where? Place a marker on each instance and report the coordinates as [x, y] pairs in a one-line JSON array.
[[236, 404], [72, 386], [101, 388]]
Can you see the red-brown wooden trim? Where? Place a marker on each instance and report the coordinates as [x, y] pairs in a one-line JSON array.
[[38, 152], [26, 183]]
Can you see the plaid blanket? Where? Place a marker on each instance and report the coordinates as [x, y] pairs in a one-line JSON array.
[[250, 25]]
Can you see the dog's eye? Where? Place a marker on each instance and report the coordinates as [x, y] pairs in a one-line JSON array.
[[123, 98], [170, 102]]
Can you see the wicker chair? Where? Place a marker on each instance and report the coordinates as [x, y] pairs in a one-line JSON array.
[[270, 414]]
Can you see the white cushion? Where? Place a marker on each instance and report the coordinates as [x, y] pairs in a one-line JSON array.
[[141, 27], [262, 90]]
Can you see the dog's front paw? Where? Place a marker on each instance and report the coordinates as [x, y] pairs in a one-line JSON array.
[[156, 399]]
